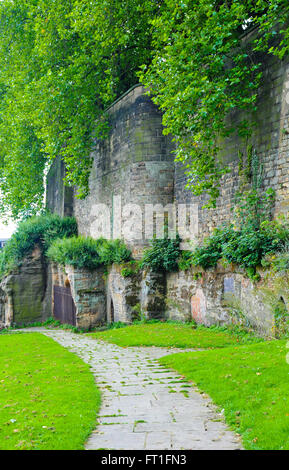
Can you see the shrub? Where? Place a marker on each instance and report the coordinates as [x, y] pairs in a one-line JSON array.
[[185, 260], [128, 272], [76, 251], [38, 230], [162, 255], [88, 253], [130, 268], [113, 251], [280, 263], [211, 251], [249, 240], [245, 247]]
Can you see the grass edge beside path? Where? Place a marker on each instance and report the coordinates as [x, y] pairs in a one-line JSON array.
[[48, 396], [250, 383], [174, 335]]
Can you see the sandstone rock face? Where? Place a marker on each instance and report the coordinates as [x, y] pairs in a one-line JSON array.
[[138, 296], [123, 295], [220, 296], [226, 295], [23, 291], [153, 292], [89, 295]]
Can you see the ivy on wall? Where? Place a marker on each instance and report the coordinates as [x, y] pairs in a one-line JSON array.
[[207, 63]]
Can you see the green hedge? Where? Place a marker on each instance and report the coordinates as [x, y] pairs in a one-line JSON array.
[[88, 253], [38, 230]]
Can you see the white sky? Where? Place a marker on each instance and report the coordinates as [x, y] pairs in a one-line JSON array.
[[7, 230]]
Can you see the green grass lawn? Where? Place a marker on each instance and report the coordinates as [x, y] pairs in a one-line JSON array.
[[48, 397], [251, 384], [172, 335]]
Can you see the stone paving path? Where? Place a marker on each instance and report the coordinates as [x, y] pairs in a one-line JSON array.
[[145, 406]]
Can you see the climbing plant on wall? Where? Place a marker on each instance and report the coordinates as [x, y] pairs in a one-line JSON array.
[[63, 62], [205, 65]]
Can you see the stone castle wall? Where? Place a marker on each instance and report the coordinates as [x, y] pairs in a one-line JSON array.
[[270, 140], [135, 166], [136, 163], [59, 198], [23, 292]]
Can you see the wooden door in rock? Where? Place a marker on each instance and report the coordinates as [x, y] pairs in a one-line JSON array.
[[63, 306]]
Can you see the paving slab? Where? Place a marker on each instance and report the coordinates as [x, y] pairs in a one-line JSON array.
[[143, 404]]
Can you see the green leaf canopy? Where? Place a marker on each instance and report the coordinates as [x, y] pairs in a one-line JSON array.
[[62, 62]]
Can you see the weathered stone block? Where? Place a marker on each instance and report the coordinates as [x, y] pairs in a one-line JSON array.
[[23, 291], [225, 295], [153, 289], [89, 295], [123, 295]]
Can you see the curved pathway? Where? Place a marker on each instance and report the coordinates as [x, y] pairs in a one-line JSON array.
[[145, 406]]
